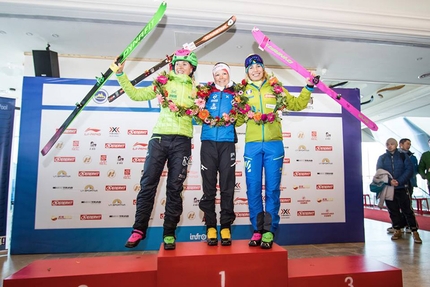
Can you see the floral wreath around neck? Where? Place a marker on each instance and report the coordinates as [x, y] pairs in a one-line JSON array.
[[204, 116], [258, 117], [163, 97]]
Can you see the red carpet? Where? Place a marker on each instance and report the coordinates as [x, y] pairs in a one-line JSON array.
[[382, 215]]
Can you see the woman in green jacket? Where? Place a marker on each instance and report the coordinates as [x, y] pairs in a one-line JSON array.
[[170, 142]]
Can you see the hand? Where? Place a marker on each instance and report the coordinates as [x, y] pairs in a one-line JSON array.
[[117, 68], [308, 80], [394, 182]]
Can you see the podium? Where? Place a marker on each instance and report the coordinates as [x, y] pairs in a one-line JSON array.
[[197, 264]]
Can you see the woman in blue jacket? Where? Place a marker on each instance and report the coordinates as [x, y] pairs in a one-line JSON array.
[[218, 154]]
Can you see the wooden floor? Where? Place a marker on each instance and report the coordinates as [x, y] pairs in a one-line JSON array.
[[413, 259]]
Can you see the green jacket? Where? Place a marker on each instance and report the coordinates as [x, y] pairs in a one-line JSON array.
[[424, 166], [180, 89], [262, 100]]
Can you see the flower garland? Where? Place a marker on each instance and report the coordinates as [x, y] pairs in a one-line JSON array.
[[165, 102], [204, 116], [258, 117]]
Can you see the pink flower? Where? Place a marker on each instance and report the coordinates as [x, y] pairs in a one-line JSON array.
[[160, 98], [200, 103], [250, 114], [162, 79], [264, 117], [277, 89], [226, 117], [173, 107], [271, 117], [189, 112]]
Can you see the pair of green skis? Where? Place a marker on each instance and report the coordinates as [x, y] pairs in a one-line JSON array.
[[130, 48]]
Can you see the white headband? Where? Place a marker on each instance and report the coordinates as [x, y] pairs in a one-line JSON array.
[[219, 67]]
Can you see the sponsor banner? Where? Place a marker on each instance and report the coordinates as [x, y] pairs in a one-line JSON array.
[[7, 111], [90, 179]]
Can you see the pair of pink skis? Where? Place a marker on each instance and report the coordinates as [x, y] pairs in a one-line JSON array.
[[265, 44]]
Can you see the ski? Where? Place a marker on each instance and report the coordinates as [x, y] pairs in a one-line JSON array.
[[265, 44], [104, 77], [190, 46]]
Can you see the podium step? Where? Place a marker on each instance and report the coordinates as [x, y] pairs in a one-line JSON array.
[[342, 271], [197, 264], [107, 271]]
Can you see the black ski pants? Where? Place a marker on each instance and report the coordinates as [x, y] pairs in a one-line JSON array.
[[401, 205], [218, 157], [176, 150]]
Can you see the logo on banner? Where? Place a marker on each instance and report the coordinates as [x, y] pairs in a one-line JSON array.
[[325, 173], [324, 186], [301, 135], [62, 173], [323, 148], [304, 160], [127, 173], [88, 173], [196, 201], [285, 212], [327, 213], [75, 145], [324, 199], [115, 145], [63, 187], [327, 136], [111, 173], [62, 202], [91, 217], [116, 202], [325, 161], [286, 134], [191, 215], [100, 97], [138, 159], [114, 188], [198, 237], [140, 146], [70, 131], [91, 202], [285, 200], [302, 173], [136, 188], [242, 214], [192, 187], [301, 186], [120, 160], [93, 145], [89, 188], [103, 159], [92, 132], [287, 160], [314, 135], [114, 131], [60, 217], [240, 201], [306, 213], [86, 159], [64, 159], [137, 132], [303, 200], [59, 145], [302, 148]]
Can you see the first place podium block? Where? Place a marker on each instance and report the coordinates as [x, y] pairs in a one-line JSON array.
[[197, 264]]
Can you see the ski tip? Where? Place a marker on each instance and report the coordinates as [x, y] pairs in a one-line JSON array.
[[255, 29]]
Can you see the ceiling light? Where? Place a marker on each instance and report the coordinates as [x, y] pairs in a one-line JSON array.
[[426, 75]]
